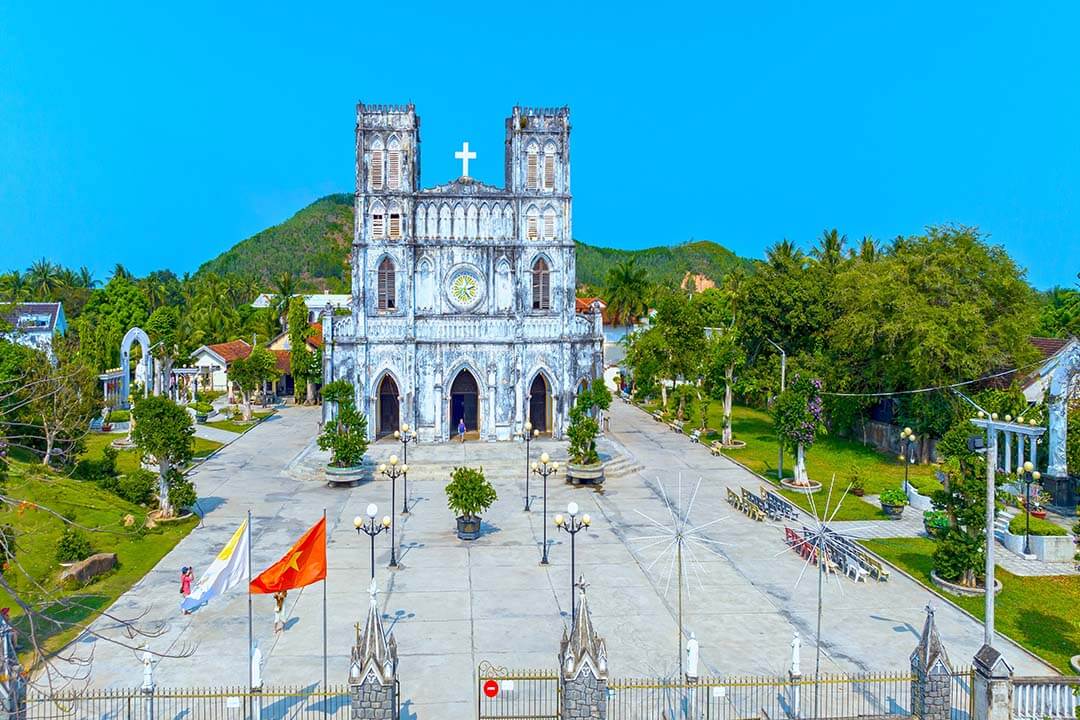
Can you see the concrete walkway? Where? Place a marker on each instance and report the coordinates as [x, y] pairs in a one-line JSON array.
[[453, 604], [215, 434]]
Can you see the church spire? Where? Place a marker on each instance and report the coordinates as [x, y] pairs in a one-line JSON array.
[[582, 647], [374, 653]]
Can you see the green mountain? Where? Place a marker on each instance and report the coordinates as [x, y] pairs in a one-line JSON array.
[[314, 245], [667, 265]]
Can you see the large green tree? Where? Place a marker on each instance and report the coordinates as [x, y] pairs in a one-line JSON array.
[[626, 292], [163, 431], [110, 313], [251, 373], [300, 357]]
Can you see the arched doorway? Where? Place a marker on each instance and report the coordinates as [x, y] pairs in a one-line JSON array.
[[465, 404], [388, 411], [540, 404]]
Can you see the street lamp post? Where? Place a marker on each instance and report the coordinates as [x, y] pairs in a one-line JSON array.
[[1029, 474], [393, 471], [783, 378], [907, 442], [405, 436], [371, 528], [573, 525], [529, 434], [545, 468]]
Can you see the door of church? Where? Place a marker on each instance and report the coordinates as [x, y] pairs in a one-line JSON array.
[[464, 403], [389, 417], [538, 404]]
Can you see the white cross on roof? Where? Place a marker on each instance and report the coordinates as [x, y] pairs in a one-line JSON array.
[[464, 156]]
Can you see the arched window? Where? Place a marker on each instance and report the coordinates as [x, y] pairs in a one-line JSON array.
[[421, 220], [471, 229], [531, 169], [377, 165], [459, 221], [393, 164], [532, 221], [378, 221], [395, 221], [541, 285], [387, 298], [549, 167], [549, 224]]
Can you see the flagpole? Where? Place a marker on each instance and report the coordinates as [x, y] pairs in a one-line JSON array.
[[326, 540], [251, 632]]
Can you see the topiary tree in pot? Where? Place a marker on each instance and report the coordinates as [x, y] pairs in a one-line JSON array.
[[468, 494], [345, 436], [585, 462]]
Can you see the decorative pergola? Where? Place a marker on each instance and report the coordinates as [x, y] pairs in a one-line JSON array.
[[1016, 434], [111, 386]]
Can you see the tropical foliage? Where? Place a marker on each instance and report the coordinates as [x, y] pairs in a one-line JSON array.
[[345, 436]]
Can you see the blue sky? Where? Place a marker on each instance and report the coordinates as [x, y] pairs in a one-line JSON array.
[[161, 136]]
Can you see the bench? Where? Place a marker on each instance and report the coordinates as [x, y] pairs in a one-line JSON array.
[[657, 415], [695, 436], [779, 505], [716, 447], [676, 425], [752, 505], [734, 499]]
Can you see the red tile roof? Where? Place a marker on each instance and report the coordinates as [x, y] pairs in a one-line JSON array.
[[232, 350], [283, 359], [1048, 347], [315, 338]]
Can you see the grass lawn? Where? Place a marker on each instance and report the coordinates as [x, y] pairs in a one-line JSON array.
[[1037, 612], [829, 455], [38, 532], [204, 447], [240, 427], [126, 460]]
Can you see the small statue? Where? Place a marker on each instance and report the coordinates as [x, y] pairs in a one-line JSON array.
[[796, 647], [148, 671], [692, 653], [256, 667]]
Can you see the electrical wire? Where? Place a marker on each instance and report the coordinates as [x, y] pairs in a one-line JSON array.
[[937, 387]]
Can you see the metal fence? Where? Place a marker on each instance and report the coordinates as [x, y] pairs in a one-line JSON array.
[[1046, 697], [510, 695], [503, 694], [276, 703]]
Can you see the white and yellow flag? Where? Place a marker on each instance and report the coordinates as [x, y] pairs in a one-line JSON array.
[[230, 568]]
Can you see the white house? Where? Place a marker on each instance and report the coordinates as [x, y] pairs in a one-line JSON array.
[[213, 363], [316, 303], [35, 324]]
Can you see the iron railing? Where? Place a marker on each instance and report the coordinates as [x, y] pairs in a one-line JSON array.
[[1046, 697], [277, 703], [503, 694]]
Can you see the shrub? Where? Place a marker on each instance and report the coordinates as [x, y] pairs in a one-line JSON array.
[[203, 408], [1018, 525], [469, 493], [936, 522], [73, 546], [893, 496], [98, 471], [118, 416], [346, 436], [181, 491], [855, 481], [138, 487]]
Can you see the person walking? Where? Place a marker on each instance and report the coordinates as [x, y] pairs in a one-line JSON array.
[[187, 576], [461, 428], [279, 610]]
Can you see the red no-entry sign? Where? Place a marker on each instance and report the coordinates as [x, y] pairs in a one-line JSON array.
[[491, 688]]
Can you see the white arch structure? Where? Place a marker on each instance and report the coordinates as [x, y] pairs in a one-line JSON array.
[[1061, 384], [147, 364]]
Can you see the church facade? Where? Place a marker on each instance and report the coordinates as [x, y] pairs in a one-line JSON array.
[[462, 307]]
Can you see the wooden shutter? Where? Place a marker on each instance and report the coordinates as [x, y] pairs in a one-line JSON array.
[[530, 170], [530, 224], [549, 171], [394, 170], [376, 169], [395, 225], [549, 225], [378, 226], [541, 286], [387, 300]]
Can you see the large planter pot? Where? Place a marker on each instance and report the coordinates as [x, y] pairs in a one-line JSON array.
[[1041, 514], [961, 590], [343, 476], [201, 418], [592, 474], [468, 528], [893, 512]]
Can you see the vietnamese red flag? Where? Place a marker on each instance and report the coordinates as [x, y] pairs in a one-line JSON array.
[[304, 564]]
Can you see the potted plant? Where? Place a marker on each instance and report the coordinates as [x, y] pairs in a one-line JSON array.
[[1039, 500], [936, 523], [345, 435], [584, 465], [856, 484], [893, 501], [468, 494], [202, 411]]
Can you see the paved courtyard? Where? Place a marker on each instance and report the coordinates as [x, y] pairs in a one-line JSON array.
[[453, 604]]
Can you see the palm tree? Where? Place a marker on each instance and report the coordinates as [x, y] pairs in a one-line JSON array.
[[830, 248], [784, 254], [868, 249], [284, 289], [157, 294], [43, 278], [86, 278], [13, 286], [119, 271], [627, 287]]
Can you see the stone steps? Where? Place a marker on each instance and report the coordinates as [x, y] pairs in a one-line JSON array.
[[1001, 522]]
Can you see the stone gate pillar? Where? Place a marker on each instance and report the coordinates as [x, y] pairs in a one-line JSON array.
[[993, 687], [583, 671], [931, 675], [373, 669]]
